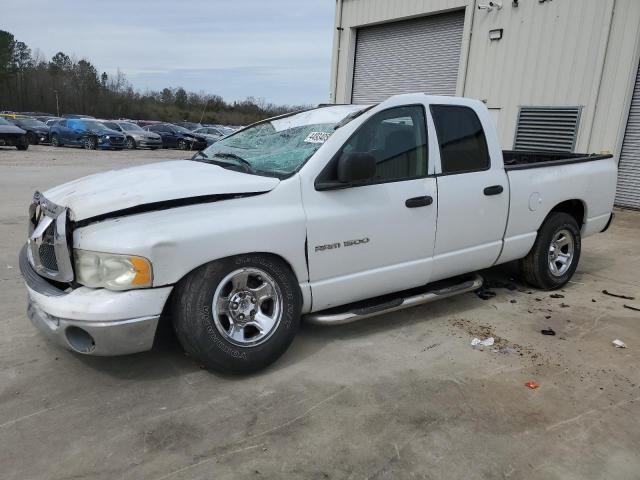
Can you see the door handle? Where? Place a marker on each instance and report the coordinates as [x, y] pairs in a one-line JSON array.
[[493, 190], [416, 202]]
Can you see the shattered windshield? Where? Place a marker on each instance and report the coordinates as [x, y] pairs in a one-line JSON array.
[[280, 146]]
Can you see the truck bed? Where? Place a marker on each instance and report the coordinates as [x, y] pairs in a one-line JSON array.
[[522, 159]]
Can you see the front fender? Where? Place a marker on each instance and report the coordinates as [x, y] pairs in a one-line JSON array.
[[178, 240]]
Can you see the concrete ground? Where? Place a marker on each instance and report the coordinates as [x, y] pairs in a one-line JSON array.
[[400, 396]]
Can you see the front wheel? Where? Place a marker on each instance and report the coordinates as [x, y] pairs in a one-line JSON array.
[[55, 141], [131, 143], [90, 143], [182, 145], [554, 257], [238, 314]]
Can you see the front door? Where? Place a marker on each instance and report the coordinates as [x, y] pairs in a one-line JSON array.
[[369, 240]]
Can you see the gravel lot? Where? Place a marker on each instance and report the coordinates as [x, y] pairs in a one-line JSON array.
[[400, 396]]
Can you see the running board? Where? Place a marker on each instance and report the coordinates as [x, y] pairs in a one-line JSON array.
[[335, 317]]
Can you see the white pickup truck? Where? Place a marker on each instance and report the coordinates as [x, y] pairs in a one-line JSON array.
[[334, 214]]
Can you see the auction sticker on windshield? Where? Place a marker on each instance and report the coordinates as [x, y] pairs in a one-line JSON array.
[[317, 137]]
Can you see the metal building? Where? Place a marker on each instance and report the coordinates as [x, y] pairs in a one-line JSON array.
[[560, 74]]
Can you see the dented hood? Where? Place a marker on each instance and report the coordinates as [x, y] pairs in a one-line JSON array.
[[118, 190]]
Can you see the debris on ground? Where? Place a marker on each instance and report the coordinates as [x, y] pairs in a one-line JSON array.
[[564, 305], [619, 343], [531, 385], [505, 350], [485, 294], [556, 295], [513, 301], [547, 317], [593, 300], [487, 342], [632, 307], [548, 331], [618, 295]]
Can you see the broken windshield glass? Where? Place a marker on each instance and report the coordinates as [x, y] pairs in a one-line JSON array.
[[280, 146]]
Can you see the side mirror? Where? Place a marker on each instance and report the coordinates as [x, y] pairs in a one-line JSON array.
[[356, 167]]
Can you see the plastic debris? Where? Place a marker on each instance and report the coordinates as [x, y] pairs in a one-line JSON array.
[[556, 295], [487, 342], [531, 385], [632, 307], [618, 295], [548, 331], [619, 343]]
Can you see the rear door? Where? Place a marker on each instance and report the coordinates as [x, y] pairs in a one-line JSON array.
[[473, 192], [378, 237]]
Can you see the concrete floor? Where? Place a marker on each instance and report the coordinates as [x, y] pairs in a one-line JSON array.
[[400, 396]]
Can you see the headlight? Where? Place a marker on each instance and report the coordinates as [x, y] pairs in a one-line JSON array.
[[106, 137], [112, 271]]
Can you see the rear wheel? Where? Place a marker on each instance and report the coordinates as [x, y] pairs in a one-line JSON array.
[[182, 145], [555, 254], [23, 146], [238, 314]]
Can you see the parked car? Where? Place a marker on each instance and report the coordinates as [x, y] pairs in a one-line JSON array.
[[87, 133], [175, 136], [12, 136], [49, 123], [37, 132], [191, 126], [211, 134], [136, 136], [339, 213]]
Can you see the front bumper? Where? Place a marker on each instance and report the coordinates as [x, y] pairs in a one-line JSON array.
[[146, 143], [93, 321]]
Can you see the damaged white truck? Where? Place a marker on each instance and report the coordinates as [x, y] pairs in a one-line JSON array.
[[334, 214]]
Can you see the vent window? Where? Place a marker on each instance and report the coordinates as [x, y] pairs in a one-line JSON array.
[[549, 129]]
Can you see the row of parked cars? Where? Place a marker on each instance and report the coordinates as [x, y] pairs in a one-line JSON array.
[[91, 133]]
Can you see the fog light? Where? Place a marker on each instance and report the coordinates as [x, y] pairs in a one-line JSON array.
[[80, 340]]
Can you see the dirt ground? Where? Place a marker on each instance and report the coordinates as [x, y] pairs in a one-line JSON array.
[[400, 396]]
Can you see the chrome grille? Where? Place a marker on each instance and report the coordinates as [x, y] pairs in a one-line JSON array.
[[49, 252], [47, 255]]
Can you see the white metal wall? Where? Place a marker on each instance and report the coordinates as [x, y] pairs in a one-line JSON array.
[[556, 53]]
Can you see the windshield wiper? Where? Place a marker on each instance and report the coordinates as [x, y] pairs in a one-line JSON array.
[[237, 158]]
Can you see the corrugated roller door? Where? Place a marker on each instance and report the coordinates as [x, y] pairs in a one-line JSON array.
[[628, 193], [418, 55]]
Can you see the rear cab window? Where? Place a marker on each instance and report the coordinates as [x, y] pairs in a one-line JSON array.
[[461, 139]]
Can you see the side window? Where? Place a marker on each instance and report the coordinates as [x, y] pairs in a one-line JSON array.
[[463, 146], [397, 139]]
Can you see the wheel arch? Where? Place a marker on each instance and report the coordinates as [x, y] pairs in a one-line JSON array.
[[165, 321], [575, 208]]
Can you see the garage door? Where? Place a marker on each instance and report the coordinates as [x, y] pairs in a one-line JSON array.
[[628, 194], [418, 55]]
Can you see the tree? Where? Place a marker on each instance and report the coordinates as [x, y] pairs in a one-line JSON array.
[[166, 96], [181, 97], [61, 62]]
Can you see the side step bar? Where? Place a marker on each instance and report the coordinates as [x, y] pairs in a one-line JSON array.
[[333, 317]]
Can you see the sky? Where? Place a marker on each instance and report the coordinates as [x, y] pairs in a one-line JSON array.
[[277, 50]]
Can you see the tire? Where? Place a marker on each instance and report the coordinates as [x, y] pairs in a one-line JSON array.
[[207, 333], [153, 148], [32, 138], [55, 141], [554, 257], [22, 147], [90, 143], [182, 145], [131, 143]]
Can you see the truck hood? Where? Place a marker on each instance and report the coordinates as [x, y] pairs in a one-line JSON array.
[[153, 185]]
